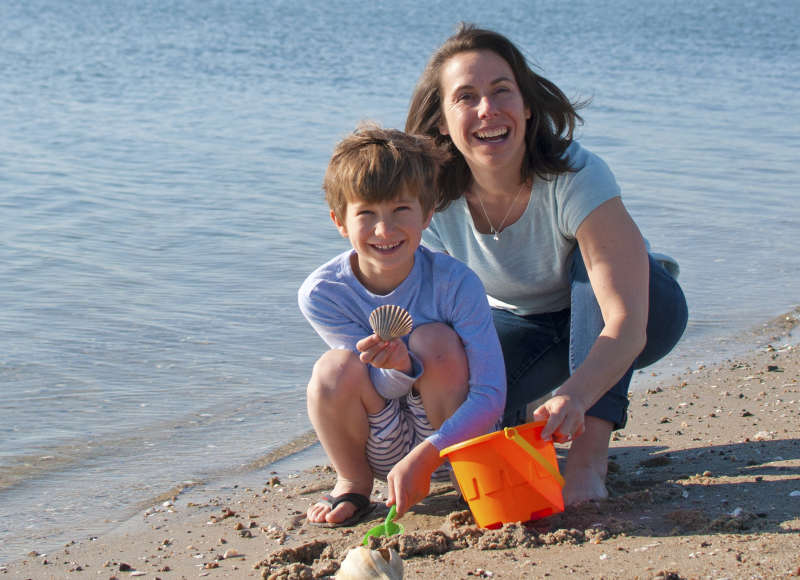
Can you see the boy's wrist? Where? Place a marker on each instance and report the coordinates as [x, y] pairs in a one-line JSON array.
[[408, 368]]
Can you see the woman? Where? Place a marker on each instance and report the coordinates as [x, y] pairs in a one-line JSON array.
[[577, 301]]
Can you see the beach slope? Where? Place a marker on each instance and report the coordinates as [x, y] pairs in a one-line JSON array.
[[704, 482]]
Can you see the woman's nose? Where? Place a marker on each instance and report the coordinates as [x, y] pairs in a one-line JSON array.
[[486, 107]]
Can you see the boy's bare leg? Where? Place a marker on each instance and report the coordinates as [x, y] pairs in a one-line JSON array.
[[444, 384], [340, 395], [587, 463]]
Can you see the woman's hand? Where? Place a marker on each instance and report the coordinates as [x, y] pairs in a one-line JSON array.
[[385, 354], [565, 417], [409, 481]]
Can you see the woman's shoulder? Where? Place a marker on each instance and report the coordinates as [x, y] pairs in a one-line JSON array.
[[581, 158], [587, 169]]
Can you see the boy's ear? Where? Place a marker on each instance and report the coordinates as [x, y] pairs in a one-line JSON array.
[[339, 225], [428, 219]]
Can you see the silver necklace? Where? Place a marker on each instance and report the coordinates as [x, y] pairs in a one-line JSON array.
[[496, 231]]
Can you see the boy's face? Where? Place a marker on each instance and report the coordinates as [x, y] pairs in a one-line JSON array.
[[385, 236]]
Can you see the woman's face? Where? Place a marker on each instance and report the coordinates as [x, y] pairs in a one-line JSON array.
[[483, 110]]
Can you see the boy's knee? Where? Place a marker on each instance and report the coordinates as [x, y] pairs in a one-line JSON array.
[[438, 345], [336, 373]]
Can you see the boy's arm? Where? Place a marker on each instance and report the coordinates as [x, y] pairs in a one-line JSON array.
[[471, 318], [336, 317]]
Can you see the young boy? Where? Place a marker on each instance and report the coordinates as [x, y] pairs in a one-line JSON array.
[[386, 408]]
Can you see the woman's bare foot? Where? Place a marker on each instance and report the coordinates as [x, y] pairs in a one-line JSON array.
[[583, 485], [587, 463]]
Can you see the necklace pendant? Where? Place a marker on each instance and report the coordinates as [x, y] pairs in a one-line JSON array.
[[496, 237]]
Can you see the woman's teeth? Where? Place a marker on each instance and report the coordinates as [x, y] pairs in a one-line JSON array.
[[492, 133]]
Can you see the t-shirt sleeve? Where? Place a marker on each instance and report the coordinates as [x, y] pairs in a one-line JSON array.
[[580, 192], [472, 320]]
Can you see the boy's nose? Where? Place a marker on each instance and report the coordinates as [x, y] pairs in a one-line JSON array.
[[383, 227]]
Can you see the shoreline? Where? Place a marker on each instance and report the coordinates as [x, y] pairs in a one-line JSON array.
[[706, 452]]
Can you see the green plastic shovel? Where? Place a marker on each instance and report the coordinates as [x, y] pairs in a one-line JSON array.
[[387, 528]]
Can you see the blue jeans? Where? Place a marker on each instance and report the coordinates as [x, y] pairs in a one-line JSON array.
[[542, 350]]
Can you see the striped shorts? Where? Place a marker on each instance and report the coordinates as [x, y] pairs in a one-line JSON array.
[[394, 431]]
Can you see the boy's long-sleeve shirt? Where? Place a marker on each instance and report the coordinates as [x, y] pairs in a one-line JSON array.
[[438, 289]]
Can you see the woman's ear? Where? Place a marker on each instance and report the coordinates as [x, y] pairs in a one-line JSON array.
[[443, 127]]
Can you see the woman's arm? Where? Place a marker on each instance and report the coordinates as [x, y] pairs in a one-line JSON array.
[[614, 253]]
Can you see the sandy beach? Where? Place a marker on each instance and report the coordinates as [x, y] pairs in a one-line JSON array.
[[704, 483]]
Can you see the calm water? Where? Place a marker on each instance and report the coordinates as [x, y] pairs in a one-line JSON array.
[[160, 166]]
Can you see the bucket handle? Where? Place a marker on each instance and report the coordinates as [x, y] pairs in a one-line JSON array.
[[512, 434]]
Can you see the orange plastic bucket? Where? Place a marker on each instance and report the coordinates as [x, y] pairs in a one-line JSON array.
[[508, 476]]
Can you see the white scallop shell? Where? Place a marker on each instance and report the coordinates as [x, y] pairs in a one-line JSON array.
[[390, 321], [361, 563]]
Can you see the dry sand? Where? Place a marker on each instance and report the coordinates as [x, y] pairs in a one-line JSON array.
[[704, 482]]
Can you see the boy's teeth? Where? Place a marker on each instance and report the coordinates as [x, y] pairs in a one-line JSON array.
[[489, 133], [386, 247]]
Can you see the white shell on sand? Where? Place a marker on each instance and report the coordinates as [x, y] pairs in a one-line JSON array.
[[390, 321], [361, 563]]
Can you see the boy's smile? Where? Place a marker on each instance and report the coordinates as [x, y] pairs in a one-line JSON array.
[[385, 236]]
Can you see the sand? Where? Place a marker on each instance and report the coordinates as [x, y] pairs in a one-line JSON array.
[[704, 483]]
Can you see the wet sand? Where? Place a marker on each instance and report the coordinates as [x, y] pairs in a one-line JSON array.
[[704, 483]]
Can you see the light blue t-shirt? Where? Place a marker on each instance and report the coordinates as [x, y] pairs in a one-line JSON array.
[[438, 289], [525, 271]]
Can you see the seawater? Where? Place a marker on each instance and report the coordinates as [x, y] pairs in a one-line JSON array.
[[160, 170]]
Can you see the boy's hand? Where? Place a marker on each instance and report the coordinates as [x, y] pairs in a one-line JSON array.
[[385, 354], [409, 481]]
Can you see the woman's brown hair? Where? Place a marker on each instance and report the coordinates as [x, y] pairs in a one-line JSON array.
[[548, 132]]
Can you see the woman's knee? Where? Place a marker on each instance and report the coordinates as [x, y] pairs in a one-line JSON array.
[[668, 316], [337, 374]]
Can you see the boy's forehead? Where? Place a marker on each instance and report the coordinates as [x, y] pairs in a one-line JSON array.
[[404, 195]]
